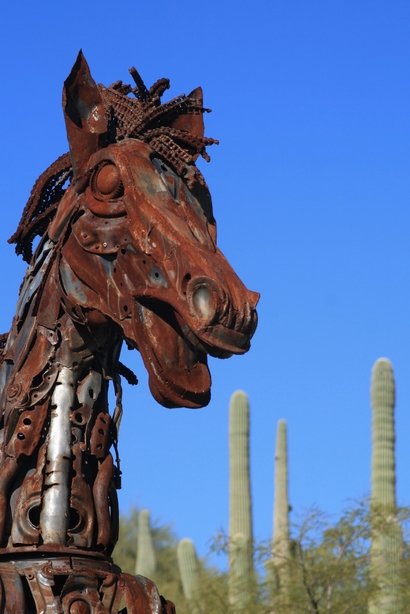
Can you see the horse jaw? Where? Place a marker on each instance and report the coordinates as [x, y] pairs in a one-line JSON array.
[[178, 371]]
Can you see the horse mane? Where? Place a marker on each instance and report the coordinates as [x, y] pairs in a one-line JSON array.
[[143, 117]]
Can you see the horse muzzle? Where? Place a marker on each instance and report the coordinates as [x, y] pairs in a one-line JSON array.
[[215, 324]]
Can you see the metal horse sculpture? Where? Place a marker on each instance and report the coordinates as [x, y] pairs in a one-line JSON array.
[[127, 252]]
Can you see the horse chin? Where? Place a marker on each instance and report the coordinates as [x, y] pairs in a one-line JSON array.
[[178, 370]]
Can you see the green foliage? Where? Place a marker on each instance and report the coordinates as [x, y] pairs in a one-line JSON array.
[[330, 571], [213, 583], [356, 564], [329, 566], [166, 575]]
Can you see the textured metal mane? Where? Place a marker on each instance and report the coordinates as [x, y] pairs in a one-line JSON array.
[[143, 117]]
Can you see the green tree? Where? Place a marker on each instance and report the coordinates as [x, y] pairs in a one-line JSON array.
[[329, 566], [166, 575], [214, 585]]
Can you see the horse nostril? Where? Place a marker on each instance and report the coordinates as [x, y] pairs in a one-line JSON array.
[[203, 302]]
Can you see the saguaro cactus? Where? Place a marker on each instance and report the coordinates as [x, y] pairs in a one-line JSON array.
[[146, 560], [188, 569], [281, 543], [386, 540], [240, 505]]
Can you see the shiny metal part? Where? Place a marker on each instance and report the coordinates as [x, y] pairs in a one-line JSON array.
[[128, 252], [55, 511]]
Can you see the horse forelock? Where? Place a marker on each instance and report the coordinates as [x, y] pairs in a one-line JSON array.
[[143, 117]]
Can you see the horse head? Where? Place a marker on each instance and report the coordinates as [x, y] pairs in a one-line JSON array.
[[136, 236]]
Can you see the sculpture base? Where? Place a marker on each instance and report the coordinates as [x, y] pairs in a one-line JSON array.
[[64, 581]]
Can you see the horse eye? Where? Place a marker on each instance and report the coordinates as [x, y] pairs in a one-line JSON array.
[[106, 182]]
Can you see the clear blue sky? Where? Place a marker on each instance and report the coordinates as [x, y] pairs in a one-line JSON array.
[[310, 184]]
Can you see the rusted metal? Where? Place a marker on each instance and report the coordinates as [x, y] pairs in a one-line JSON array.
[[127, 252]]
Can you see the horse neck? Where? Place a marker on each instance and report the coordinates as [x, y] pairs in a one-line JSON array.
[[55, 376], [44, 340]]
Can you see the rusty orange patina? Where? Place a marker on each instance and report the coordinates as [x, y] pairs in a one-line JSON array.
[[128, 253]]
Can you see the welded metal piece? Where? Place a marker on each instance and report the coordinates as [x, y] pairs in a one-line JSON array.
[[127, 252], [56, 511]]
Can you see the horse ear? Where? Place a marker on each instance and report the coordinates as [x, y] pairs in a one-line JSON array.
[[192, 123], [84, 118]]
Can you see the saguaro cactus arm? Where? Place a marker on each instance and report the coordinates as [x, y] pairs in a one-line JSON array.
[[383, 398], [146, 560], [240, 504], [281, 544], [188, 569], [386, 548]]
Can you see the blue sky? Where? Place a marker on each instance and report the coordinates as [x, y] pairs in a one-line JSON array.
[[310, 185]]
